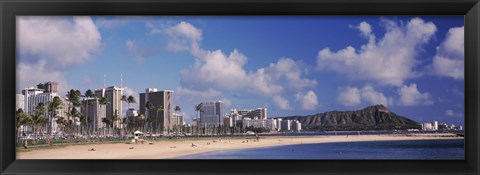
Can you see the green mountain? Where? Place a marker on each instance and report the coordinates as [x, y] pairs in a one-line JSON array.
[[376, 117]]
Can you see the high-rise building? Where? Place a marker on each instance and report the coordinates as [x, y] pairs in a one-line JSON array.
[[50, 86], [228, 121], [286, 125], [114, 105], [162, 102], [33, 97], [296, 125], [211, 114], [20, 102], [259, 113], [177, 119]]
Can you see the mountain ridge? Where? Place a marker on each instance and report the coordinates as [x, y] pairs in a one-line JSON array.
[[376, 117]]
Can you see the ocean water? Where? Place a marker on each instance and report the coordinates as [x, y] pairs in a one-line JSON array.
[[448, 149]]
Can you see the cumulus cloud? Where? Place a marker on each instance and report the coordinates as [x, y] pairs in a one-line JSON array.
[[409, 96], [352, 96], [48, 45], [181, 37], [309, 100], [214, 69], [281, 102], [191, 95], [61, 41], [349, 96], [389, 61], [218, 69], [449, 60], [29, 75]]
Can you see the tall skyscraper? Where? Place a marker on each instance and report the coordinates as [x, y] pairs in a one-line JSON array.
[[211, 114], [114, 105], [162, 102]]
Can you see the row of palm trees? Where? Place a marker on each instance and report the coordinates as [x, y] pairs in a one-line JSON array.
[[76, 123]]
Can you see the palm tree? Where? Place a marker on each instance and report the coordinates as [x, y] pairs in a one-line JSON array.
[[87, 102], [74, 114], [103, 102], [61, 122], [38, 119], [106, 122], [141, 119], [199, 109], [73, 97], [21, 119], [158, 109], [150, 119], [115, 118], [124, 98], [130, 99], [52, 107], [177, 109]]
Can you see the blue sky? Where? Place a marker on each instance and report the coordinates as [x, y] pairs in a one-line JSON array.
[[290, 65]]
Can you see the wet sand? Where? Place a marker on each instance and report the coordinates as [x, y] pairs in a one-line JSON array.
[[169, 149]]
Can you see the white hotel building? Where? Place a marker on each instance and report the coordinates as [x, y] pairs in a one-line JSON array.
[[44, 93]]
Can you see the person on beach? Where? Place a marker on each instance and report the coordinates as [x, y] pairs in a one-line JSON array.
[[25, 144]]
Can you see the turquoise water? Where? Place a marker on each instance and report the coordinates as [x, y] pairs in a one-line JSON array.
[[448, 149]]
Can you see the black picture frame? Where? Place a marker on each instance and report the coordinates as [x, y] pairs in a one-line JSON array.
[[11, 8]]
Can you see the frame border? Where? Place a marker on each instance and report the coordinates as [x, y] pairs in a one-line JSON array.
[[9, 9]]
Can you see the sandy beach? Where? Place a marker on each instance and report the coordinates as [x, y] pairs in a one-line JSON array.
[[169, 149]]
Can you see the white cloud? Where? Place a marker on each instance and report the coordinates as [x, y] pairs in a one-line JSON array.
[[366, 30], [287, 69], [370, 95], [409, 96], [61, 41], [214, 69], [181, 37], [389, 61], [309, 100], [129, 91], [352, 96], [349, 97], [451, 113], [217, 69], [281, 102], [449, 60], [132, 48], [191, 94], [130, 45], [29, 75]]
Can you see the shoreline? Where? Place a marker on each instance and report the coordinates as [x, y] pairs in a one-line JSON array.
[[170, 149]]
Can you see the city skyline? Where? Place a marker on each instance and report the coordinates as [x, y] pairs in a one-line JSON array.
[[290, 65]]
